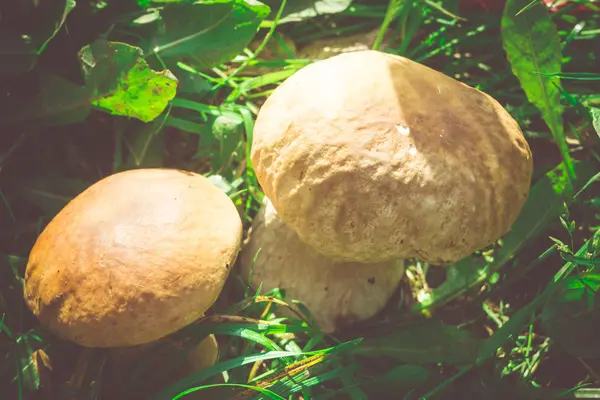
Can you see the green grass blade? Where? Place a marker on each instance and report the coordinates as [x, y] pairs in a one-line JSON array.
[[266, 392], [262, 44], [394, 6], [260, 81], [428, 342], [577, 76], [533, 48], [595, 112], [523, 317], [199, 376]]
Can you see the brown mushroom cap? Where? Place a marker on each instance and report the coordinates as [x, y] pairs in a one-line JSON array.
[[372, 157], [205, 354], [336, 293], [135, 257], [157, 359]]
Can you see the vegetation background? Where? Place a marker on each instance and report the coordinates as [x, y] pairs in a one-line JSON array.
[[92, 87]]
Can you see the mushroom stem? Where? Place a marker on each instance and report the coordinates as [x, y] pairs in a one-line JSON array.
[[338, 294]]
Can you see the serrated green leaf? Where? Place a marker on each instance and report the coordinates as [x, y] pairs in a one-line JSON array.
[[571, 316], [141, 93], [117, 80], [208, 33], [533, 49]]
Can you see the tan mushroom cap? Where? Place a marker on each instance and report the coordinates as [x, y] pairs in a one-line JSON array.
[[200, 356], [159, 362], [371, 157], [135, 257], [337, 294], [205, 354]]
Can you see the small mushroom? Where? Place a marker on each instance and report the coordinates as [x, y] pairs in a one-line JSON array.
[[372, 157], [205, 354], [338, 294], [135, 257], [158, 366]]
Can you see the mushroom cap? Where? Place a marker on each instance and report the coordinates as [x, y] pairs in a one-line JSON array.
[[157, 360], [202, 355], [205, 354], [138, 255], [337, 294], [370, 157]]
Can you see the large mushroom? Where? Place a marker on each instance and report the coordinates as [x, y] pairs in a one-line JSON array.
[[135, 257], [338, 294], [372, 157]]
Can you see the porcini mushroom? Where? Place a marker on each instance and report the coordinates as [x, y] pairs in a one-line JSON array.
[[160, 363], [135, 257], [338, 294], [372, 157]]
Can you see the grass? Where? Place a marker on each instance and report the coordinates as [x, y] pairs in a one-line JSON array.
[[478, 329]]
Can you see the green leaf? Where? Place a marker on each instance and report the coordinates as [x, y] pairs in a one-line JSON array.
[[398, 379], [146, 144], [190, 81], [260, 81], [54, 14], [59, 102], [494, 386], [141, 92], [543, 207], [429, 342], [533, 49], [595, 112], [299, 10], [408, 374], [208, 33], [225, 144], [117, 80], [571, 316]]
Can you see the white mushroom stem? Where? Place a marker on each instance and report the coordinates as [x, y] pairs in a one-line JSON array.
[[337, 294]]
